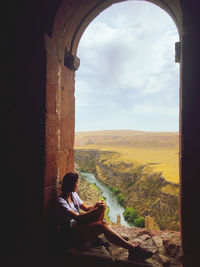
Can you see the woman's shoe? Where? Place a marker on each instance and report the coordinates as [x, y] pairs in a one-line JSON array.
[[139, 253]]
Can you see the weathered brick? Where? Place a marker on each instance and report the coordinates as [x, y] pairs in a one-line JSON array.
[[67, 104], [51, 92], [67, 79], [52, 70], [51, 136], [67, 133], [50, 169]]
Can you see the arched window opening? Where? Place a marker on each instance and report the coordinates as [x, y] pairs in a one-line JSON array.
[[127, 110]]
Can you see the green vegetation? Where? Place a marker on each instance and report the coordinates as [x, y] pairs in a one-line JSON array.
[[139, 222], [117, 192], [114, 190], [120, 199], [131, 216]]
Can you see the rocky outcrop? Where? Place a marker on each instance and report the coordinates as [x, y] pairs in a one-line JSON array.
[[86, 160], [146, 191], [165, 245]]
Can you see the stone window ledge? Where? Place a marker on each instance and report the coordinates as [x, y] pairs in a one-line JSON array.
[[166, 246]]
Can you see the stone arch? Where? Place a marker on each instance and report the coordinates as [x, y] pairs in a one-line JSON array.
[[68, 28], [172, 10], [71, 19], [61, 49]]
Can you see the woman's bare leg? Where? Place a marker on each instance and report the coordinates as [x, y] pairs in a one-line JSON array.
[[100, 216], [89, 232], [95, 215], [116, 239]]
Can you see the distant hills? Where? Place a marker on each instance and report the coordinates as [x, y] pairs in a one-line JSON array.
[[127, 138]]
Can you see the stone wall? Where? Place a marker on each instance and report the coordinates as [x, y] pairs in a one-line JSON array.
[[24, 108], [59, 124]]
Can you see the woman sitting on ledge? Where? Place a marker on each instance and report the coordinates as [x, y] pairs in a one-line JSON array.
[[88, 226]]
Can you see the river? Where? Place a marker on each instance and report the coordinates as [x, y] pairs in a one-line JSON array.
[[111, 200]]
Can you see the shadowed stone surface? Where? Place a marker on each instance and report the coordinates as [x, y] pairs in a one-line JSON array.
[[165, 245]]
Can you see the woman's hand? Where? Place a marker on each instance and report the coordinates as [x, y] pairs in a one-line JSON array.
[[94, 214], [101, 204]]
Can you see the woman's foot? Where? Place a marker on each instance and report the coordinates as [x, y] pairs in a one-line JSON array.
[[139, 253]]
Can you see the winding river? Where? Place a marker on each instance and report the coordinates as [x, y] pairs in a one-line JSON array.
[[111, 200]]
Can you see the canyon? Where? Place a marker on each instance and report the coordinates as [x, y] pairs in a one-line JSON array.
[[143, 189]]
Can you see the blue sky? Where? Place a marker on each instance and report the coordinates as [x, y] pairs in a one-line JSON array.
[[128, 78]]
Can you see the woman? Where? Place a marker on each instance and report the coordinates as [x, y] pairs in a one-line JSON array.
[[89, 225]]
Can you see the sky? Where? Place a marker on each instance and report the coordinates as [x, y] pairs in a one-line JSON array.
[[128, 78]]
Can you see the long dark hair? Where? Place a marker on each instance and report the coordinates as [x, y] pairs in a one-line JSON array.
[[67, 187], [68, 183]]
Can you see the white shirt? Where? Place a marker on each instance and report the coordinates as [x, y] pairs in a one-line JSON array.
[[63, 207]]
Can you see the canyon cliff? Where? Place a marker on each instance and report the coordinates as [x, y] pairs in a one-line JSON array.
[[143, 189]]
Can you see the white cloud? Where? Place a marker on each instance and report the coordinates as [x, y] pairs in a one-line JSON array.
[[127, 65]]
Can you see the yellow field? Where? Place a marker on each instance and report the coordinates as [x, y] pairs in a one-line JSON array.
[[160, 157], [161, 160]]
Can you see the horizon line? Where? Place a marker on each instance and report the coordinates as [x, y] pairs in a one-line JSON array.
[[127, 130]]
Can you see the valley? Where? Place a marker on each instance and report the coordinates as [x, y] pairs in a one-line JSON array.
[[143, 165], [158, 149]]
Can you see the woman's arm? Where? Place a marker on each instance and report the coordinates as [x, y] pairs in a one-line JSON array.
[[86, 208], [88, 216]]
